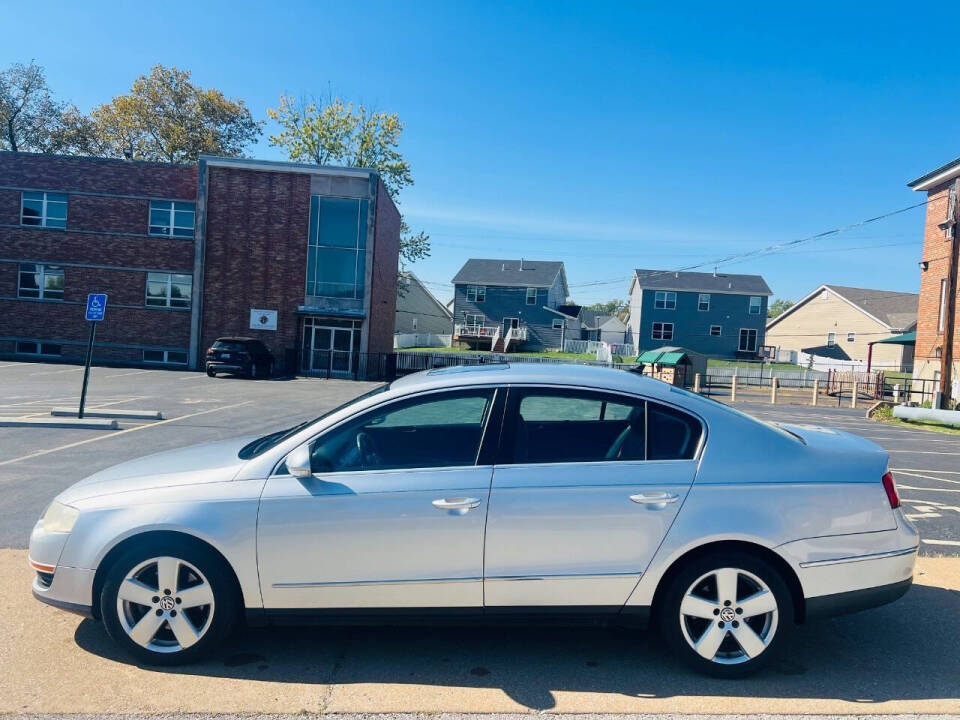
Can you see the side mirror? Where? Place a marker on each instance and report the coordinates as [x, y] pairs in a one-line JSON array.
[[298, 462]]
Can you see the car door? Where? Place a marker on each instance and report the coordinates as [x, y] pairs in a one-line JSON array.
[[393, 515], [586, 489]]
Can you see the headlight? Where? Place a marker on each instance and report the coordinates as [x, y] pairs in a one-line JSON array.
[[60, 518]]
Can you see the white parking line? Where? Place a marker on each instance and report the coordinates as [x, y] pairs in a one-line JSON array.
[[922, 452], [197, 376], [926, 477], [942, 472], [56, 372], [951, 543], [908, 487], [121, 432], [136, 372]]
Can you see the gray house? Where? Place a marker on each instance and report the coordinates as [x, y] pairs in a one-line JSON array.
[[585, 324], [418, 311], [716, 314], [507, 305]]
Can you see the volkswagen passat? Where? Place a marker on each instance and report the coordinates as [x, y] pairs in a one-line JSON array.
[[540, 492]]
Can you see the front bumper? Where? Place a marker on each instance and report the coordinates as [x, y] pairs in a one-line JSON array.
[[67, 588]]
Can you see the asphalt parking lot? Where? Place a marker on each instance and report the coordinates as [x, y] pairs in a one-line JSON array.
[[901, 658]]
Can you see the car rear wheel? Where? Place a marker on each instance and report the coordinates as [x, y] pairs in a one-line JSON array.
[[727, 614], [168, 604], [211, 372]]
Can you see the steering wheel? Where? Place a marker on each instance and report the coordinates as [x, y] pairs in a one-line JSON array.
[[369, 457]]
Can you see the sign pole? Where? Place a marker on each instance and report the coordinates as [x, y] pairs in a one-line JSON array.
[[86, 368]]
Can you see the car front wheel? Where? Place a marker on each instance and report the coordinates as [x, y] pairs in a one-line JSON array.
[[727, 614], [168, 604]]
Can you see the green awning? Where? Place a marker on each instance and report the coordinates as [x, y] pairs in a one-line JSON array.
[[659, 357], [909, 338], [648, 357], [671, 358]]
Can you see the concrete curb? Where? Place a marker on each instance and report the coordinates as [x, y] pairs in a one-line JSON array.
[[89, 424], [122, 414]]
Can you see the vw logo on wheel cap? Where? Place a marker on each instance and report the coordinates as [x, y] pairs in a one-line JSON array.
[[167, 603], [727, 614]]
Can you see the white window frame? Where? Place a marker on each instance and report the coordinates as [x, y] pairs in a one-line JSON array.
[[44, 215], [851, 336], [756, 337], [171, 226], [663, 331], [557, 324], [664, 300], [831, 339], [531, 296], [168, 305], [413, 323], [755, 302], [479, 293], [166, 357], [942, 312], [42, 272], [479, 319], [718, 333], [701, 302]]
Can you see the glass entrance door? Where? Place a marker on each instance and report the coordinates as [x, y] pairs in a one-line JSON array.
[[331, 350]]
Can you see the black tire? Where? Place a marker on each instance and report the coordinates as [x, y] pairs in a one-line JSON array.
[[673, 627], [223, 612], [211, 372]]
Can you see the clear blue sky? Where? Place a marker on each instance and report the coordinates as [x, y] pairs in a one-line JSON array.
[[606, 136]]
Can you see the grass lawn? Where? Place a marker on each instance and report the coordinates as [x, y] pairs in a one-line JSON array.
[[588, 357], [885, 415], [713, 362]]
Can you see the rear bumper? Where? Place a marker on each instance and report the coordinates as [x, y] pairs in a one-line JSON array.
[[226, 367], [856, 600]]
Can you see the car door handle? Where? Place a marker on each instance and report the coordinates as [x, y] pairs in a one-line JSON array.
[[463, 504], [654, 498]]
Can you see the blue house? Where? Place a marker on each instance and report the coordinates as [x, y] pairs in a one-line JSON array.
[[506, 305], [716, 314]]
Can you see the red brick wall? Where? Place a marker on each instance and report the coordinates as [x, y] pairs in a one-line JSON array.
[[936, 251], [383, 288], [256, 254]]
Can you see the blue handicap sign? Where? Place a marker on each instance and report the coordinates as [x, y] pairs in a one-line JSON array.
[[96, 306]]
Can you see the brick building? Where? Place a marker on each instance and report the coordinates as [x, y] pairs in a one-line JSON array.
[[934, 269], [302, 257]]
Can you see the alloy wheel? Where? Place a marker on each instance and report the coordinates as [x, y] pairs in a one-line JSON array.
[[165, 604], [728, 616]]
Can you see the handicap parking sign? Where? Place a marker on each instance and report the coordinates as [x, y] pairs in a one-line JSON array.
[[96, 306]]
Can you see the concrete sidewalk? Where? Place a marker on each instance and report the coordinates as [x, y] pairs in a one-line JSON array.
[[902, 658]]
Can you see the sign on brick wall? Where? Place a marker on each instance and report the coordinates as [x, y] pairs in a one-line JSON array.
[[263, 319]]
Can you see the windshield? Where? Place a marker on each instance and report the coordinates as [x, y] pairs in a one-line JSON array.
[[262, 444]]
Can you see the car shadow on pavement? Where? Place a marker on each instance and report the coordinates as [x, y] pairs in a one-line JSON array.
[[904, 651]]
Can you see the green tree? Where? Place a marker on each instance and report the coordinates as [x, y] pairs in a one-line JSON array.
[[778, 307], [164, 118], [30, 117], [611, 307], [334, 132]]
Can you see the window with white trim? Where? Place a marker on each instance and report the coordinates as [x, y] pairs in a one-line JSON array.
[[165, 357], [716, 330], [414, 323], [748, 340], [662, 331], [172, 218], [474, 320], [663, 300], [38, 348], [531, 296], [476, 293], [851, 337], [557, 324], [43, 209], [170, 290], [44, 282], [703, 302], [831, 339], [756, 303]]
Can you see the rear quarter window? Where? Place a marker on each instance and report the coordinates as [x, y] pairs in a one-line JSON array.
[[671, 434]]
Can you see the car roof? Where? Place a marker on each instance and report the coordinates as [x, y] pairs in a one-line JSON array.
[[587, 376], [236, 339]]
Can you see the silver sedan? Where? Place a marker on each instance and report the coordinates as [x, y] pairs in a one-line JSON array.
[[544, 493]]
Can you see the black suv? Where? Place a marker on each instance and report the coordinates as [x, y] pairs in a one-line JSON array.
[[239, 355]]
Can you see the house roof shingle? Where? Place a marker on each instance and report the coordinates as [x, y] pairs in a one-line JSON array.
[[535, 273], [896, 309], [703, 282]]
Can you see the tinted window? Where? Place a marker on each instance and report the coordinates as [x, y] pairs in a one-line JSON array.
[[671, 434], [441, 430], [573, 426]]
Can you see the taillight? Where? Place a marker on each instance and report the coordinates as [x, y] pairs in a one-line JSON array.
[[209, 352], [890, 487]]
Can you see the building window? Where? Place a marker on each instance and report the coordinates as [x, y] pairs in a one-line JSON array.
[[755, 303], [169, 290], [44, 282], [38, 348], [662, 331], [414, 324], [531, 296], [831, 339], [665, 300], [851, 337], [474, 320], [165, 357], [557, 324], [748, 340], [942, 313], [44, 209], [172, 218], [716, 330], [337, 247], [476, 293], [703, 302]]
